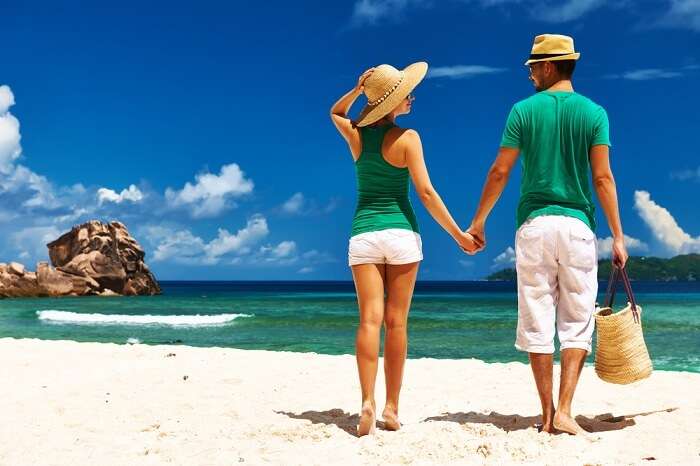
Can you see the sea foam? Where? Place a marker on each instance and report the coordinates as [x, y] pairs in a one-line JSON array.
[[144, 319]]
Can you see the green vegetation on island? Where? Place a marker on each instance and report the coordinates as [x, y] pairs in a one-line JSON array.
[[679, 268]]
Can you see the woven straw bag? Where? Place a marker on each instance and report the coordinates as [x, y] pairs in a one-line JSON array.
[[621, 355]]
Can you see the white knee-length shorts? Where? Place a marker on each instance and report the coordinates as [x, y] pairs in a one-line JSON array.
[[557, 265], [394, 246]]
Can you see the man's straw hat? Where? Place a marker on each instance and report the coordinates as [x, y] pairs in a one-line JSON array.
[[386, 87], [550, 47]]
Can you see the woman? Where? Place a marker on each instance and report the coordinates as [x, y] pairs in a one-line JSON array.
[[385, 245]]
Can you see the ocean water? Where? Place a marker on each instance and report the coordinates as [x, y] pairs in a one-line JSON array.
[[447, 319]]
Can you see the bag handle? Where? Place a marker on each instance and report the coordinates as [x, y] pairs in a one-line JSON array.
[[612, 283], [615, 274]]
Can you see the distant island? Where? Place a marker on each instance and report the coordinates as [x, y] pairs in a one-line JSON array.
[[680, 268]]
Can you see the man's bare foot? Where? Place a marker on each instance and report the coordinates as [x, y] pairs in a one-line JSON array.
[[367, 419], [566, 423], [548, 428], [547, 422], [391, 419]]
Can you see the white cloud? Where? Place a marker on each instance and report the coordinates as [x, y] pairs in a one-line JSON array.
[[210, 194], [33, 190], [462, 71], [10, 148], [294, 204], [683, 14], [373, 11], [299, 204], [284, 253], [305, 270], [34, 211], [664, 227], [562, 12], [285, 249], [182, 246], [32, 241], [241, 241], [646, 74], [632, 244], [316, 257], [7, 98], [132, 194], [504, 259], [685, 175]]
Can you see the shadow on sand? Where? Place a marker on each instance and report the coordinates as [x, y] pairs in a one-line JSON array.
[[337, 417], [512, 422]]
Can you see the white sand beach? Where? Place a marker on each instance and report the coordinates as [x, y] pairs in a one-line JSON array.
[[67, 403]]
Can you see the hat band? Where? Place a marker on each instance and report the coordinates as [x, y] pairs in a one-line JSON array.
[[539, 56], [387, 93]]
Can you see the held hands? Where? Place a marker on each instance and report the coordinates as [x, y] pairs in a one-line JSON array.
[[468, 243], [476, 231]]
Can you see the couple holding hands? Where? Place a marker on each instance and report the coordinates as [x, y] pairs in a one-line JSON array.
[[562, 139]]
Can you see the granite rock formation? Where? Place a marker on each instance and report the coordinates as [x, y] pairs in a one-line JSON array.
[[94, 258]]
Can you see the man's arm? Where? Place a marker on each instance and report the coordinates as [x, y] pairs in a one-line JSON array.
[[604, 184], [496, 181]]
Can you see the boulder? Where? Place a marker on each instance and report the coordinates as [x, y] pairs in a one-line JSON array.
[[94, 258], [16, 268]]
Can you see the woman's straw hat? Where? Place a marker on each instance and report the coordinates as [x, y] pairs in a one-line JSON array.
[[386, 87], [550, 47]]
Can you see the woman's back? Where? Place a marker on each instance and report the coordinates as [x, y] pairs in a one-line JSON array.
[[382, 188]]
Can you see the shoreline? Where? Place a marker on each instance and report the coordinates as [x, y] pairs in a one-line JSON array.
[[71, 402], [590, 361]]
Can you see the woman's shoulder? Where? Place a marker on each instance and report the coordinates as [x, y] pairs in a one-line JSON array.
[[404, 134], [401, 140]]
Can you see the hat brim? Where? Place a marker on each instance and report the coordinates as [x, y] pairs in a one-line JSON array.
[[413, 75], [570, 56]]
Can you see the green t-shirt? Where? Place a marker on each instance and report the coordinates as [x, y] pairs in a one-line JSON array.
[[555, 132]]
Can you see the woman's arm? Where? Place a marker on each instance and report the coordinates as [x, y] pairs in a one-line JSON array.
[[339, 115], [428, 195]]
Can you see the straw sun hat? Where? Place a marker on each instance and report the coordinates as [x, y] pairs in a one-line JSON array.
[[386, 87], [551, 47]]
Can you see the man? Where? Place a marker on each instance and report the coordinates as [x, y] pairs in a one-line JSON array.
[[562, 136]]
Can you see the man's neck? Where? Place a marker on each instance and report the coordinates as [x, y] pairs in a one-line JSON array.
[[563, 85]]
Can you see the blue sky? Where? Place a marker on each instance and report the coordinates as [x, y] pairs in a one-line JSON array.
[[204, 127]]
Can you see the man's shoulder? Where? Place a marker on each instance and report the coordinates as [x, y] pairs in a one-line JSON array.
[[587, 101], [530, 103], [539, 100], [527, 101]]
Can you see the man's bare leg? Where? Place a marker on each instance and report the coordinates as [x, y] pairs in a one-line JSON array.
[[572, 360], [542, 370]]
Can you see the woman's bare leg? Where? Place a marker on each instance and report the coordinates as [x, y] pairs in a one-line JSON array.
[[400, 282], [369, 285]]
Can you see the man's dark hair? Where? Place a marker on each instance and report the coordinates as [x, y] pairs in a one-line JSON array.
[[565, 68]]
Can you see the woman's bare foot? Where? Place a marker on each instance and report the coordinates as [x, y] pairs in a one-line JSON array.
[[566, 423], [367, 419], [391, 418]]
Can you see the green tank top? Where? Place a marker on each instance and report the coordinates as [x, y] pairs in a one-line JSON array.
[[382, 189]]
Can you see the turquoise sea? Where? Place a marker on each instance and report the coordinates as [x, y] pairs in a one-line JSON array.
[[447, 319]]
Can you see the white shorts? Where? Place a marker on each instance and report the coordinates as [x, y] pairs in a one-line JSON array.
[[557, 265], [394, 246]]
